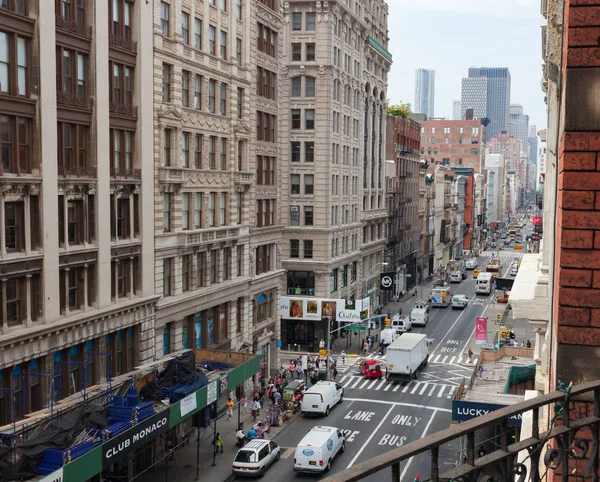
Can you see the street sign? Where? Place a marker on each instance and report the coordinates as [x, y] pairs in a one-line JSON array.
[[498, 323], [355, 328]]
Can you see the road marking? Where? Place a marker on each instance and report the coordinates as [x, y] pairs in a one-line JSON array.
[[405, 389], [451, 392], [444, 359], [343, 378], [425, 385], [432, 390], [400, 404], [367, 381], [422, 435], [381, 384], [436, 358], [397, 387], [388, 386], [441, 390], [372, 384], [452, 327], [415, 389], [357, 382], [367, 443]]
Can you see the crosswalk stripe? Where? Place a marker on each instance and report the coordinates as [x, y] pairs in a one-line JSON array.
[[451, 391], [425, 385], [367, 381], [452, 360], [436, 359], [415, 389], [343, 378], [442, 388], [397, 387], [357, 382], [444, 359], [373, 384], [432, 390], [381, 384], [405, 389], [387, 387]]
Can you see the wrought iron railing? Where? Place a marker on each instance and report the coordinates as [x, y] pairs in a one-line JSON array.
[[76, 171], [123, 109], [74, 27], [73, 100], [125, 173], [568, 447], [122, 42]]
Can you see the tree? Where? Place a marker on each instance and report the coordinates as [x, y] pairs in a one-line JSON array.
[[400, 110]]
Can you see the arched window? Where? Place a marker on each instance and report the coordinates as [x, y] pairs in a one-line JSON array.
[[264, 307]]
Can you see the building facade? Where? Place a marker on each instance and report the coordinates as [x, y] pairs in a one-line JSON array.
[[333, 100], [518, 126], [217, 219], [509, 147], [458, 144], [489, 96], [425, 92], [403, 140], [76, 239], [456, 110]]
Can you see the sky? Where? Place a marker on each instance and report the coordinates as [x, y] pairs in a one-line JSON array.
[[449, 36]]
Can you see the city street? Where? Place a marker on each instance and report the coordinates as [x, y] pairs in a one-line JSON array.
[[379, 415]]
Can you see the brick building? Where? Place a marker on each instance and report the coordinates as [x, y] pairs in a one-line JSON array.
[[510, 147]]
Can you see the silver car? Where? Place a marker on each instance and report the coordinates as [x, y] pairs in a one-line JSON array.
[[459, 302]]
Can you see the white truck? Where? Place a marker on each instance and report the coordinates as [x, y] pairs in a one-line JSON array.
[[484, 283], [441, 297], [406, 356]]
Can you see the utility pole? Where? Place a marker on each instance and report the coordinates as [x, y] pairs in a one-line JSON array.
[[328, 321]]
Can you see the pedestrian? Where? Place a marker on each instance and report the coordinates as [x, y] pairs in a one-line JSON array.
[[229, 407], [276, 397], [343, 357], [365, 347], [256, 408], [292, 367], [528, 344], [218, 443], [322, 344], [335, 372], [522, 344], [299, 371], [244, 403], [334, 358]]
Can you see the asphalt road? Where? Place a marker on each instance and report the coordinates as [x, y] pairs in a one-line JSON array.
[[380, 415]]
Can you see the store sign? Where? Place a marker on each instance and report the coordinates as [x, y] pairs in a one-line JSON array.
[[463, 411], [386, 281], [134, 438], [223, 386], [211, 392], [480, 330], [188, 404], [317, 308]]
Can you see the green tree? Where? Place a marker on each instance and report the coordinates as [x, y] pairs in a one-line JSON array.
[[400, 110]]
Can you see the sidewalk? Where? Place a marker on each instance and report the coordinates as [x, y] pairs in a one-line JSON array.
[[183, 466]]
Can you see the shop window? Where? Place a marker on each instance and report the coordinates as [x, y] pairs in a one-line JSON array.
[[301, 282]]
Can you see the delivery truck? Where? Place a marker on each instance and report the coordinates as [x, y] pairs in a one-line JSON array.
[[406, 356], [441, 296]]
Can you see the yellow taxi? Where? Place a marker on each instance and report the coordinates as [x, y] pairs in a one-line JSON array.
[[475, 273]]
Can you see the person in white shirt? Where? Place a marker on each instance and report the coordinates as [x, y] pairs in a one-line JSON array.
[[256, 409]]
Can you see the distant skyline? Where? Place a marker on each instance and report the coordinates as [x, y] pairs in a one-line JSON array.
[[462, 34], [424, 99]]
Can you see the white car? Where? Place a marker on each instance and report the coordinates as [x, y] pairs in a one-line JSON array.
[[255, 457], [455, 277], [460, 302], [471, 263], [514, 270], [318, 448]]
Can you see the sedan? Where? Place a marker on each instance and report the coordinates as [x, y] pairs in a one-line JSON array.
[[371, 369]]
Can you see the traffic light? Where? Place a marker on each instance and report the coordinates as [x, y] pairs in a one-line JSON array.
[[499, 316], [387, 322]]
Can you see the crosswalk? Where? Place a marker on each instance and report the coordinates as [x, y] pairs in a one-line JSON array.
[[433, 359], [505, 253], [419, 388]]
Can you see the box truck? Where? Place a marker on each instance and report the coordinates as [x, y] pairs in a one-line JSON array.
[[406, 356], [441, 297]]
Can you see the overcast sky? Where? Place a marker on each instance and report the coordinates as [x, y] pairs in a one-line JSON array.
[[449, 36]]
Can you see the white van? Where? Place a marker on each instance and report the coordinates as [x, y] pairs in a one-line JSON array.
[[387, 336], [401, 323], [321, 398], [455, 277], [318, 448], [256, 457], [471, 263], [419, 315], [484, 283]]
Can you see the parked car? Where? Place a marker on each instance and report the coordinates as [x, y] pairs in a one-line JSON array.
[[256, 457], [371, 369], [514, 269], [455, 277], [459, 302]]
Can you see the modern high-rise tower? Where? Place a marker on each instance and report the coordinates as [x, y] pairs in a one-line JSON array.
[[456, 110], [424, 92], [518, 125], [487, 91]]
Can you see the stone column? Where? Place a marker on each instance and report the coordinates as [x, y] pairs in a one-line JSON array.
[[29, 299], [85, 286]]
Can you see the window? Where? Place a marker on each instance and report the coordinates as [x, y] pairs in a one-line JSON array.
[[240, 260], [294, 248], [433, 130], [309, 86], [266, 127], [461, 130], [197, 33], [308, 248], [166, 83], [200, 269], [238, 9], [186, 272], [265, 170], [223, 153], [212, 92], [198, 81], [297, 21], [73, 142], [309, 151], [309, 119], [213, 266], [265, 212], [267, 40], [185, 27], [310, 52], [185, 88], [296, 119], [68, 81], [296, 52], [308, 215], [223, 5], [14, 226], [238, 51], [294, 216], [14, 52], [223, 98], [212, 152], [263, 258], [198, 210], [240, 102], [226, 254], [446, 130], [198, 152], [311, 21], [185, 149], [164, 18], [333, 280], [211, 209], [266, 83], [475, 130], [166, 212], [272, 4], [212, 35], [295, 151], [167, 147], [295, 183], [297, 87], [185, 210], [167, 273], [239, 203], [474, 150], [223, 45], [309, 184]]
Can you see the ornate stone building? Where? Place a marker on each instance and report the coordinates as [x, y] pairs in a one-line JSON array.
[[333, 95], [217, 219]]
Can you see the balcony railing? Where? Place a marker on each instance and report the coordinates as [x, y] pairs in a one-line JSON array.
[[122, 42], [72, 100], [77, 171], [244, 178], [171, 175], [123, 109], [558, 448], [124, 173], [72, 26]]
